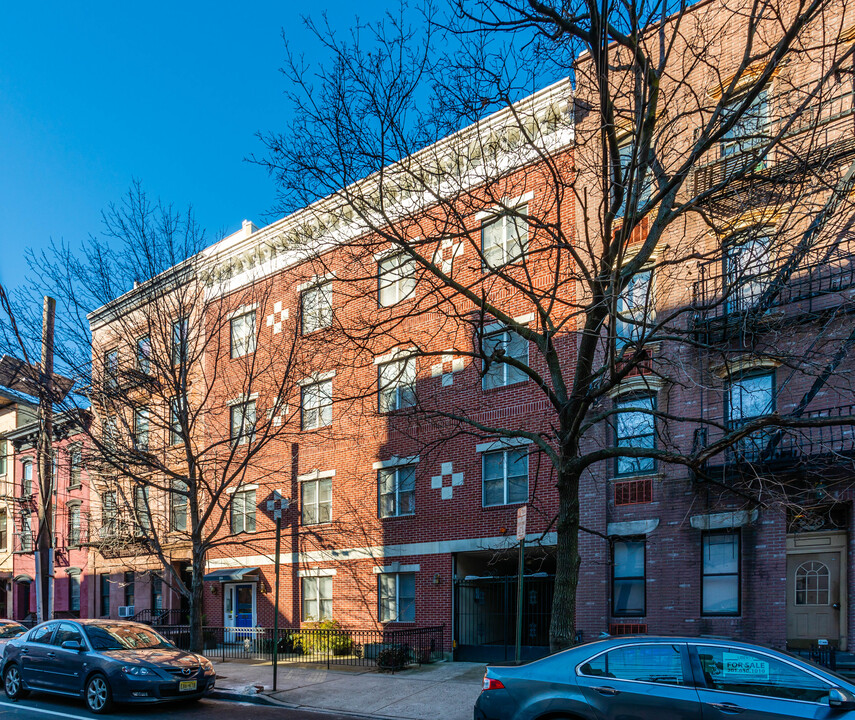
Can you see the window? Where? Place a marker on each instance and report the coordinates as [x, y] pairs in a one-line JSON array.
[[397, 491], [635, 427], [316, 501], [4, 531], [42, 634], [104, 582], [507, 344], [76, 465], [634, 310], [156, 592], [747, 271], [813, 586], [747, 133], [129, 587], [179, 341], [316, 405], [176, 407], [504, 239], [628, 594], [141, 429], [397, 278], [144, 354], [26, 534], [720, 587], [73, 593], [632, 165], [111, 368], [243, 511], [3, 461], [317, 599], [742, 671], [74, 525], [750, 397], [109, 514], [505, 477], [660, 663], [142, 509], [243, 334], [397, 593], [27, 479], [243, 422], [66, 631], [397, 384], [109, 432], [316, 308], [179, 502]]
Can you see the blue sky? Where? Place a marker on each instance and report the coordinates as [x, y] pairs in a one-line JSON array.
[[95, 94]]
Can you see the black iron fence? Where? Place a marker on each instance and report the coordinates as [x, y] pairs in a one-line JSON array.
[[386, 649], [162, 617]]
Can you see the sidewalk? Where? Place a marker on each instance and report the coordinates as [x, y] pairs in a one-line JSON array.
[[446, 690]]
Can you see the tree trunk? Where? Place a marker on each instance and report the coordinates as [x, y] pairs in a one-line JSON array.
[[562, 628], [196, 600]]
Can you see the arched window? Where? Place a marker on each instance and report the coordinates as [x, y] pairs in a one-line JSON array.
[[812, 584]]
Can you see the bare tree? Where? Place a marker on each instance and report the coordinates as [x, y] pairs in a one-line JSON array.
[[189, 406], [707, 147]]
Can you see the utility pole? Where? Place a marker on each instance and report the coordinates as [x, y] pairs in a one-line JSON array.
[[44, 539]]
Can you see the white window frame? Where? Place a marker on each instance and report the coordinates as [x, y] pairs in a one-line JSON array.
[[243, 507], [393, 605], [317, 483], [320, 411], [316, 582], [640, 310], [74, 534], [736, 141], [246, 413], [27, 478], [179, 505], [506, 239], [396, 279], [243, 334], [395, 473], [505, 451], [143, 361], [316, 312], [509, 375], [142, 507], [396, 384], [141, 428]]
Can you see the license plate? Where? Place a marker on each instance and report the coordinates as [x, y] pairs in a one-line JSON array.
[[186, 685]]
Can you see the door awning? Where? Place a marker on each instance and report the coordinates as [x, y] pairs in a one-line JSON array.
[[232, 575]]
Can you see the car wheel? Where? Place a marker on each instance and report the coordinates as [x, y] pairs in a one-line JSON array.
[[99, 698], [12, 683]]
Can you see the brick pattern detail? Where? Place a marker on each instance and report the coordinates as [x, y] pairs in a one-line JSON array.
[[627, 628]]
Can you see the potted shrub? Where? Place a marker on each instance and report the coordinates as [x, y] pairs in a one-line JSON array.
[[393, 657]]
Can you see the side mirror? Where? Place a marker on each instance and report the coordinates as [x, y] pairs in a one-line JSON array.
[[841, 699], [71, 645]]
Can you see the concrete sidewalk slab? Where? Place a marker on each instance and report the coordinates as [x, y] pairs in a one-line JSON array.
[[441, 690]]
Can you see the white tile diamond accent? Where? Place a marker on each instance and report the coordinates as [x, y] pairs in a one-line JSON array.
[[447, 468], [436, 482], [446, 487], [446, 493], [449, 366], [279, 316]]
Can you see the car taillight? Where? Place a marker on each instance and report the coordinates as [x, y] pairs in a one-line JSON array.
[[491, 684]]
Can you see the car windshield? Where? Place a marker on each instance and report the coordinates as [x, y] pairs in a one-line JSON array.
[[10, 630], [125, 637]]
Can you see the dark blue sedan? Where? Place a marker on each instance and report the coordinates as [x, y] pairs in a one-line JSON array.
[[103, 661], [652, 678]]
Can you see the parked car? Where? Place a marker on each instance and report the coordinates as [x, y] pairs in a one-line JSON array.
[[103, 661], [9, 629], [654, 678]]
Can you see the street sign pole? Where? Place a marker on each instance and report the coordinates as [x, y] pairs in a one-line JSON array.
[[521, 523], [276, 505]]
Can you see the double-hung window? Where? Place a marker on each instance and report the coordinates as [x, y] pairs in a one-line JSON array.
[[243, 511], [634, 309], [156, 592], [180, 329], [317, 598], [27, 479], [109, 514], [397, 490], [747, 270], [142, 508], [74, 525], [177, 405], [720, 563], [130, 587], [397, 384], [76, 465], [316, 501], [26, 534], [111, 368], [750, 130], [635, 427], [316, 405], [631, 166], [504, 477], [750, 397], [316, 308], [4, 530], [397, 596], [628, 595], [242, 420], [144, 354], [397, 279], [179, 503], [504, 238], [141, 417], [104, 593], [498, 347], [74, 593], [243, 334], [3, 461]]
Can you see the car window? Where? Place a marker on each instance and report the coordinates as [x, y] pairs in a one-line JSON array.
[[41, 634], [65, 632], [743, 671], [10, 630], [642, 663], [125, 637]]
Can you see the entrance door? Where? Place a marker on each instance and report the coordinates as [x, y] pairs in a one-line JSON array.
[[239, 608], [813, 598]]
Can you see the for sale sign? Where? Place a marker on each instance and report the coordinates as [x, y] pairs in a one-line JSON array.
[[737, 667]]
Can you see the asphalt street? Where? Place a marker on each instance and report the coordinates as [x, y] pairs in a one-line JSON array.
[[43, 707]]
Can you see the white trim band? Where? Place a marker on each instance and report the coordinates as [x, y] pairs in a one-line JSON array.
[[502, 444], [316, 475], [241, 488], [317, 572], [396, 461], [396, 568], [316, 378]]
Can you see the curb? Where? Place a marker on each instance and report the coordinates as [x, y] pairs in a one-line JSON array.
[[262, 699]]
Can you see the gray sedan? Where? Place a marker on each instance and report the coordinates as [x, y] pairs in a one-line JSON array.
[[649, 678], [103, 661]]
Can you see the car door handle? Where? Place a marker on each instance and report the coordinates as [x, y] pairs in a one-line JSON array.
[[727, 707], [51, 654], [24, 651], [606, 690]]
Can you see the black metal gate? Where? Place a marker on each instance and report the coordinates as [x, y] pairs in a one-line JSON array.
[[486, 613]]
